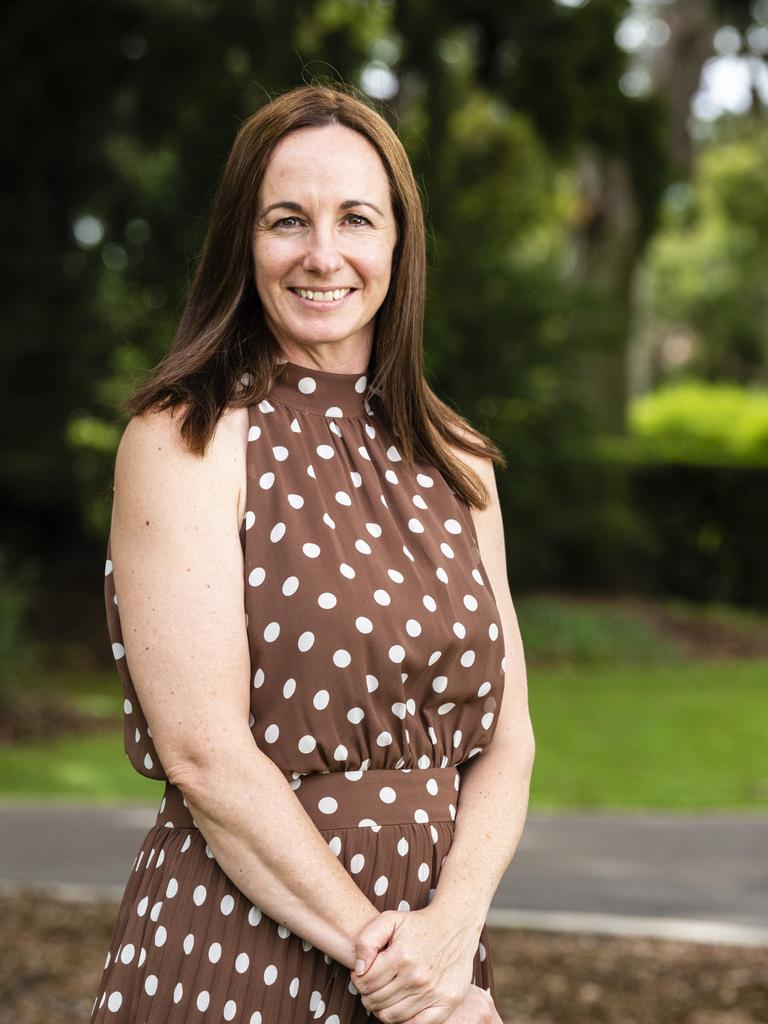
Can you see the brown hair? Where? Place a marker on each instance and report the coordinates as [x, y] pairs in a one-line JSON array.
[[223, 354]]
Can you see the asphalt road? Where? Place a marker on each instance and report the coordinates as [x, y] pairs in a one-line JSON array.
[[700, 877]]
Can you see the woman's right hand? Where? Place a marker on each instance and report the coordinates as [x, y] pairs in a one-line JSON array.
[[477, 1007]]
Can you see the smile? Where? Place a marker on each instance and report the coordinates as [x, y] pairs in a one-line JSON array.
[[329, 298]]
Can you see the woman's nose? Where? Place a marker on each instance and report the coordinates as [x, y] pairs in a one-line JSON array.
[[322, 253]]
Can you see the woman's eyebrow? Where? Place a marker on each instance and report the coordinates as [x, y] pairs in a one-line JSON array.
[[300, 209]]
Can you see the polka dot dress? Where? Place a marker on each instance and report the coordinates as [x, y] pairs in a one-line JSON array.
[[377, 668]]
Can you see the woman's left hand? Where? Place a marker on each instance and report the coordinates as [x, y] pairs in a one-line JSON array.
[[418, 959]]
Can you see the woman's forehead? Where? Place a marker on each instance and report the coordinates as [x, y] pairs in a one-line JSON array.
[[332, 158]]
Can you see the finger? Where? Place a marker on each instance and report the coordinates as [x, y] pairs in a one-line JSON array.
[[382, 970]]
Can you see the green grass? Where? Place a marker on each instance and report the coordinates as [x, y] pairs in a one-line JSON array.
[[75, 768], [623, 718], [687, 736], [554, 630]]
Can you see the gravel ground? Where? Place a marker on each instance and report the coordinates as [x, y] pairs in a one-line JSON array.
[[52, 954]]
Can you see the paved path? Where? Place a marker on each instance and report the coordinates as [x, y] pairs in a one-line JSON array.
[[703, 877]]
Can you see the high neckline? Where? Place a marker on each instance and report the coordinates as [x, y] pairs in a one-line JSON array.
[[324, 392]]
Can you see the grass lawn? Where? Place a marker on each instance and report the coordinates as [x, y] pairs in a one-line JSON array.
[[688, 735]]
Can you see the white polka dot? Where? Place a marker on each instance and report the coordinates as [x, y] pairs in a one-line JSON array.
[[289, 688], [266, 480], [439, 683], [270, 975], [357, 863], [230, 1009], [272, 632], [254, 916], [327, 805], [486, 720], [396, 653], [290, 585], [483, 689], [460, 630], [398, 709], [429, 603], [118, 651], [307, 385], [307, 744], [335, 845], [203, 999], [452, 526], [277, 532], [387, 794], [423, 872], [306, 640], [383, 739], [421, 816], [178, 992], [160, 935], [189, 942], [214, 952], [271, 733], [493, 631], [148, 762], [347, 570], [381, 597], [141, 909], [127, 706], [324, 451], [456, 738], [467, 658], [295, 500], [363, 546], [355, 715], [412, 627], [381, 885], [127, 953], [340, 753], [403, 906], [402, 846], [115, 1001], [280, 452], [342, 658], [255, 1017], [150, 984], [198, 896], [445, 708], [172, 888], [311, 550], [432, 787], [320, 700], [227, 904], [363, 624], [470, 602], [327, 600]]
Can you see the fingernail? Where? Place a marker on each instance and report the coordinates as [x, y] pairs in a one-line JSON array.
[[359, 965]]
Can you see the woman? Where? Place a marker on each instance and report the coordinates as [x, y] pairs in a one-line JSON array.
[[306, 544]]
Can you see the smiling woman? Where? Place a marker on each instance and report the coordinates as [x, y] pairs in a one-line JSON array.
[[312, 633], [323, 272]]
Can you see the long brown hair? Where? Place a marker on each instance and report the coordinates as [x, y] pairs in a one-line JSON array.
[[223, 353]]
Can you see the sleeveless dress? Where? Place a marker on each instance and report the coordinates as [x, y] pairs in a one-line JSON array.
[[377, 669]]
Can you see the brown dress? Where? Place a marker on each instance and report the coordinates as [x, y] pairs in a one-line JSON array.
[[377, 668]]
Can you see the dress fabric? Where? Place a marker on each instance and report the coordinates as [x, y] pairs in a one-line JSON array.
[[377, 670]]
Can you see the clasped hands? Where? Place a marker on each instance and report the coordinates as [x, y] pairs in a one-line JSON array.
[[418, 970]]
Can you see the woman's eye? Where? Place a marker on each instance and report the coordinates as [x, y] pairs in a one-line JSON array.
[[360, 217], [284, 220]]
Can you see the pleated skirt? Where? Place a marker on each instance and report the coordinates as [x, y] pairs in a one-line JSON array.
[[189, 947]]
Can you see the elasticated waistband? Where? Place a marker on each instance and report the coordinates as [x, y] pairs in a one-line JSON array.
[[354, 799]]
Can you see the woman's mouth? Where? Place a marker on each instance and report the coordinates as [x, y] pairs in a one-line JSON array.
[[322, 298]]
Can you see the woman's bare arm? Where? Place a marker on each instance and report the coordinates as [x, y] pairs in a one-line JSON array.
[[179, 578]]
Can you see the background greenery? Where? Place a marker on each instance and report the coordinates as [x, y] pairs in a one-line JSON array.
[[598, 259]]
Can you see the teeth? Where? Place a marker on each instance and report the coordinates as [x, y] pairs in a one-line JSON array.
[[323, 296]]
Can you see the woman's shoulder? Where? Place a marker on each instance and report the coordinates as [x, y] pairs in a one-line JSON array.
[[153, 453]]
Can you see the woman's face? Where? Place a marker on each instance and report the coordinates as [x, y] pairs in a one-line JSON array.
[[324, 223]]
